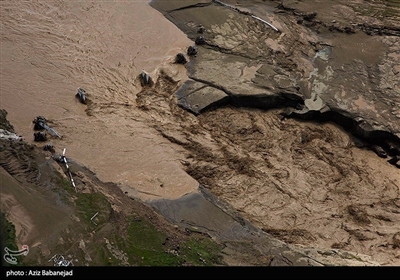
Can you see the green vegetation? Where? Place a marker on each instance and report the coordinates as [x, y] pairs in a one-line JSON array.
[[133, 240], [7, 237], [62, 187], [146, 246], [87, 204], [202, 251], [106, 258]]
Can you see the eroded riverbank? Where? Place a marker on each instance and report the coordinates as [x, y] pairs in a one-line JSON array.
[[303, 182], [309, 182]]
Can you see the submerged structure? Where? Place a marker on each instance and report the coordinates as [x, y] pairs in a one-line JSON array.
[[40, 123]]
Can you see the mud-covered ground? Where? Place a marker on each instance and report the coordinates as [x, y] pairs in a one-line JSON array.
[[96, 225], [303, 182], [306, 183]]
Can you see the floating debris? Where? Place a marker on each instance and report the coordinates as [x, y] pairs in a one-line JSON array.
[[266, 22], [201, 29], [91, 219], [200, 40], [40, 123], [192, 50], [180, 58], [81, 94], [49, 147], [5, 134], [246, 13], [40, 136], [145, 78]]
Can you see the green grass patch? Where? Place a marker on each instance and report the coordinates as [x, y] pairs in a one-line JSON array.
[[65, 183], [7, 230], [145, 246], [65, 191], [143, 243], [62, 187], [202, 251], [106, 258], [7, 238], [88, 204]]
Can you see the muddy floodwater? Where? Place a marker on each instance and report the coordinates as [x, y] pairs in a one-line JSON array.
[[51, 48], [305, 182]]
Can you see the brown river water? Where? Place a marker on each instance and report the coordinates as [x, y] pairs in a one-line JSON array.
[[51, 48], [316, 188]]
